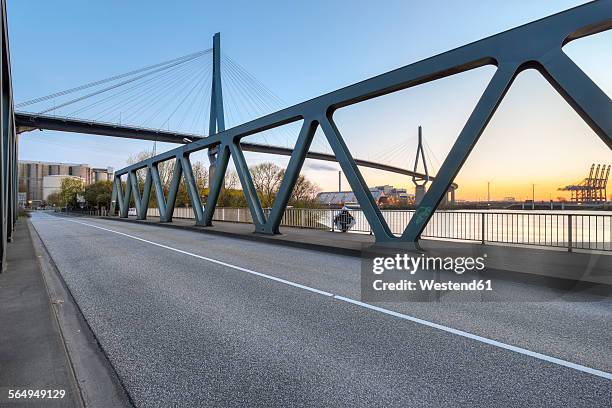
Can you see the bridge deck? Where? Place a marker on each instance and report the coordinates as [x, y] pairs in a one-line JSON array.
[[243, 323]]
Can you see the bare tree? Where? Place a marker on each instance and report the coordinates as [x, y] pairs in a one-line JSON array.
[[200, 174], [166, 168], [304, 192], [231, 180], [166, 172], [266, 178]]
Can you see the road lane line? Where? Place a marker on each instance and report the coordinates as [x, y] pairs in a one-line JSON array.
[[368, 306]]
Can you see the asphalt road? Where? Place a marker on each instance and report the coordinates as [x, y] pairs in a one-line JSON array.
[[192, 328]]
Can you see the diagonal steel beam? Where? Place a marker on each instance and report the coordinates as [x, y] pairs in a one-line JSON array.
[[159, 188], [358, 185], [123, 198], [476, 123], [248, 187], [169, 203], [216, 185], [309, 127], [581, 93], [146, 194], [141, 202], [133, 181], [114, 195], [192, 189]]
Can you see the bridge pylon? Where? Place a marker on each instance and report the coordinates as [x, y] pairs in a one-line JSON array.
[[217, 116], [420, 184]]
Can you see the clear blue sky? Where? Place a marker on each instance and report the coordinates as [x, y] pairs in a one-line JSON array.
[[298, 49]]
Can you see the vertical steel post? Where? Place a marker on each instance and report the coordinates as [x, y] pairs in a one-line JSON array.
[[6, 123], [569, 233], [482, 227], [3, 117]]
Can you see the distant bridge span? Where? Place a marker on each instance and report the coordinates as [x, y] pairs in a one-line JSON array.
[[31, 121]]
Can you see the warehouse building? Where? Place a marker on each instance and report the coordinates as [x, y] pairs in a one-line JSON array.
[[38, 179]]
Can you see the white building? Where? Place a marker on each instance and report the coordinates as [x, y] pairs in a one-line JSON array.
[[53, 183]]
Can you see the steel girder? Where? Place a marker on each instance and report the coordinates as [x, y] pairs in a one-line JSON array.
[[32, 121], [535, 45], [8, 146]]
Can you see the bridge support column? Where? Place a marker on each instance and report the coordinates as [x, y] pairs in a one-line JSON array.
[[217, 116], [419, 193]]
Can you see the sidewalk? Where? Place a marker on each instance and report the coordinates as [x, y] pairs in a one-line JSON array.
[[32, 353], [45, 343]]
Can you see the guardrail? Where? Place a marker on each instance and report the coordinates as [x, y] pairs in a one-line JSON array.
[[77, 211], [558, 230]]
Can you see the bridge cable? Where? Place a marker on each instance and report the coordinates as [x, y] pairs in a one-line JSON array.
[[170, 97], [109, 79], [70, 102], [151, 81], [196, 100], [193, 88], [157, 95], [262, 97]]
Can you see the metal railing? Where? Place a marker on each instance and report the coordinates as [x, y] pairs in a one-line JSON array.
[[103, 212], [558, 230]]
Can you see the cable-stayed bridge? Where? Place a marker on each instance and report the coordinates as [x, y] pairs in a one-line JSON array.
[[171, 102]]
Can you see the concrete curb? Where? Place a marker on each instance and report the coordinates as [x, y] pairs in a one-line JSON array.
[[98, 382]]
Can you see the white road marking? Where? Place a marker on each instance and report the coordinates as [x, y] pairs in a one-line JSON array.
[[388, 312]]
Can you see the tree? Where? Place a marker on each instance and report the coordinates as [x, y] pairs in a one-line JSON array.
[[304, 192], [99, 194], [200, 174], [266, 178], [231, 180], [71, 187], [165, 168], [166, 173], [55, 200]]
